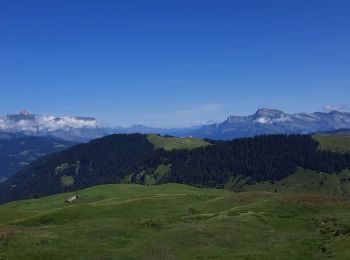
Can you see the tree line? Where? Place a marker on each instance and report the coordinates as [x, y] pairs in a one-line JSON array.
[[113, 158]]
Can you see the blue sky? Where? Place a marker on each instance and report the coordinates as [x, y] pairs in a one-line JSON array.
[[173, 63]]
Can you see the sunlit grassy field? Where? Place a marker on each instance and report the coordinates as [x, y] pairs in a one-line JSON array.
[[335, 142], [175, 221], [172, 143]]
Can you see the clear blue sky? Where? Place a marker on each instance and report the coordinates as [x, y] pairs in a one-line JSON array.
[[173, 62]]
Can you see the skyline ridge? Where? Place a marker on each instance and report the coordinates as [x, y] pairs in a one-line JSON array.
[[25, 114]]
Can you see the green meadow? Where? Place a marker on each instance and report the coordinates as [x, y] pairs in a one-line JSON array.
[[334, 142], [173, 143], [303, 216], [174, 221], [303, 181]]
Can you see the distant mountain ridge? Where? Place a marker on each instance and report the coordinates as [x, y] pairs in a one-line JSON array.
[[76, 129], [263, 121], [273, 121], [69, 128], [144, 129]]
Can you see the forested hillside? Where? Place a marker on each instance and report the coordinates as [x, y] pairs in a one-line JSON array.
[[134, 159]]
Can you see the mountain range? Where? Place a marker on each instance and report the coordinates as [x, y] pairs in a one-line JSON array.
[[273, 121], [264, 121]]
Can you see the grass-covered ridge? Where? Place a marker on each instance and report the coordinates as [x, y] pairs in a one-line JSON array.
[[303, 181], [175, 221], [169, 143], [334, 142]]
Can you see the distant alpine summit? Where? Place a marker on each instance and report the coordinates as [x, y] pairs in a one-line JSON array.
[[69, 128], [263, 121], [273, 121]]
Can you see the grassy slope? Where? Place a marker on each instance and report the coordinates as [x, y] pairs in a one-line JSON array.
[[303, 181], [172, 143], [175, 221], [334, 142], [306, 181]]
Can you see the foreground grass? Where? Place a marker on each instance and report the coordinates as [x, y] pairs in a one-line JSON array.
[[174, 143], [175, 221]]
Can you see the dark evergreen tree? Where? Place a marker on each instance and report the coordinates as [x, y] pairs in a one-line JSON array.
[[113, 158]]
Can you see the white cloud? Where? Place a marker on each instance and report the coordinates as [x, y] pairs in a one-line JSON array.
[[45, 123], [329, 108]]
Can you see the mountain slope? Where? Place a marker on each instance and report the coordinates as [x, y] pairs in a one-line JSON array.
[[6, 135], [134, 159], [337, 142], [272, 121], [16, 153], [175, 221], [302, 181]]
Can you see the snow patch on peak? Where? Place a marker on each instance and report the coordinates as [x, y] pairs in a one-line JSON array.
[[262, 120]]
